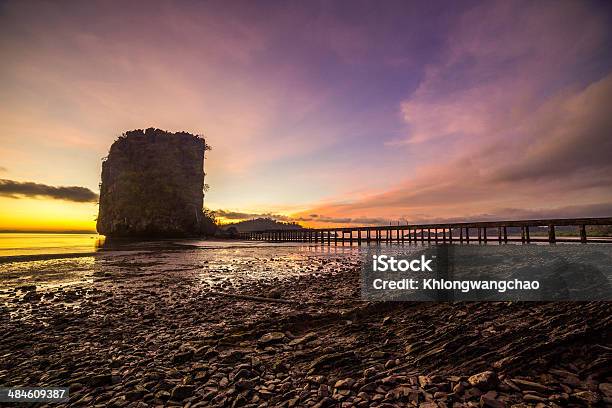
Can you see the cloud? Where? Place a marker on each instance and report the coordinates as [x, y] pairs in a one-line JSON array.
[[573, 136], [17, 189], [511, 121]]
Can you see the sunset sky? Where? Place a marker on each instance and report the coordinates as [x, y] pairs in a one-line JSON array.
[[327, 113]]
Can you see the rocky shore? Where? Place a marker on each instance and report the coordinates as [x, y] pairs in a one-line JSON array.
[[267, 327]]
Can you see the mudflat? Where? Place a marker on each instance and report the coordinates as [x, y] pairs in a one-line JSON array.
[[265, 326]]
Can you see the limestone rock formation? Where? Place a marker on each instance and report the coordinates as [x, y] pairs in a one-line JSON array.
[[152, 185]]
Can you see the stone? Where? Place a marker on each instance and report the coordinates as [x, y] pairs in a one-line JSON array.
[[606, 389], [152, 185], [369, 372], [243, 373], [344, 384], [101, 380], [424, 381], [489, 400], [182, 357], [304, 339], [586, 397], [180, 392], [270, 338], [533, 398], [134, 395], [483, 381], [530, 385]]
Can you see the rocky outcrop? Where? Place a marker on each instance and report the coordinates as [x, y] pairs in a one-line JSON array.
[[152, 185]]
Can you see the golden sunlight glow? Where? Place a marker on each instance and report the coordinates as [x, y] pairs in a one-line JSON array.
[[30, 214]]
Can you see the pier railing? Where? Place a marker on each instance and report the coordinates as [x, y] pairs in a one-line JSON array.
[[525, 231]]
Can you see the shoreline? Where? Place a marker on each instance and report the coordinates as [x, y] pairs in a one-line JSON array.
[[258, 326]]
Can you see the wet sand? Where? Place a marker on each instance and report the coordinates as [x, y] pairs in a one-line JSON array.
[[243, 325]]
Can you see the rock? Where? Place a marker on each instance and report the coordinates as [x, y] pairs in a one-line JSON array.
[[180, 392], [533, 398], [134, 395], [473, 392], [530, 385], [182, 357], [345, 384], [390, 364], [243, 384], [101, 380], [588, 397], [489, 400], [162, 395], [304, 339], [274, 294], [440, 395], [424, 381], [270, 338], [559, 397], [152, 185], [331, 358], [606, 389], [74, 387], [483, 381], [368, 372], [243, 373], [458, 388]]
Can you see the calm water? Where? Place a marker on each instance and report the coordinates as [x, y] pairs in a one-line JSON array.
[[37, 244]]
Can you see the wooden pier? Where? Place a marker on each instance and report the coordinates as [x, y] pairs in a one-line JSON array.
[[454, 233]]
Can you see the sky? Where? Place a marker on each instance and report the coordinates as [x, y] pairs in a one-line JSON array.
[[324, 113]]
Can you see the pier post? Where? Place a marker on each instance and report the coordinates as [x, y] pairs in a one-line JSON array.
[[351, 237], [499, 234], [359, 237], [527, 234], [485, 234], [505, 234], [422, 235], [450, 234], [551, 234], [428, 234], [523, 235], [583, 236], [467, 235], [479, 235], [461, 235]]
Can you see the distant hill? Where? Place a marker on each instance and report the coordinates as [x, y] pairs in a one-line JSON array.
[[260, 224]]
